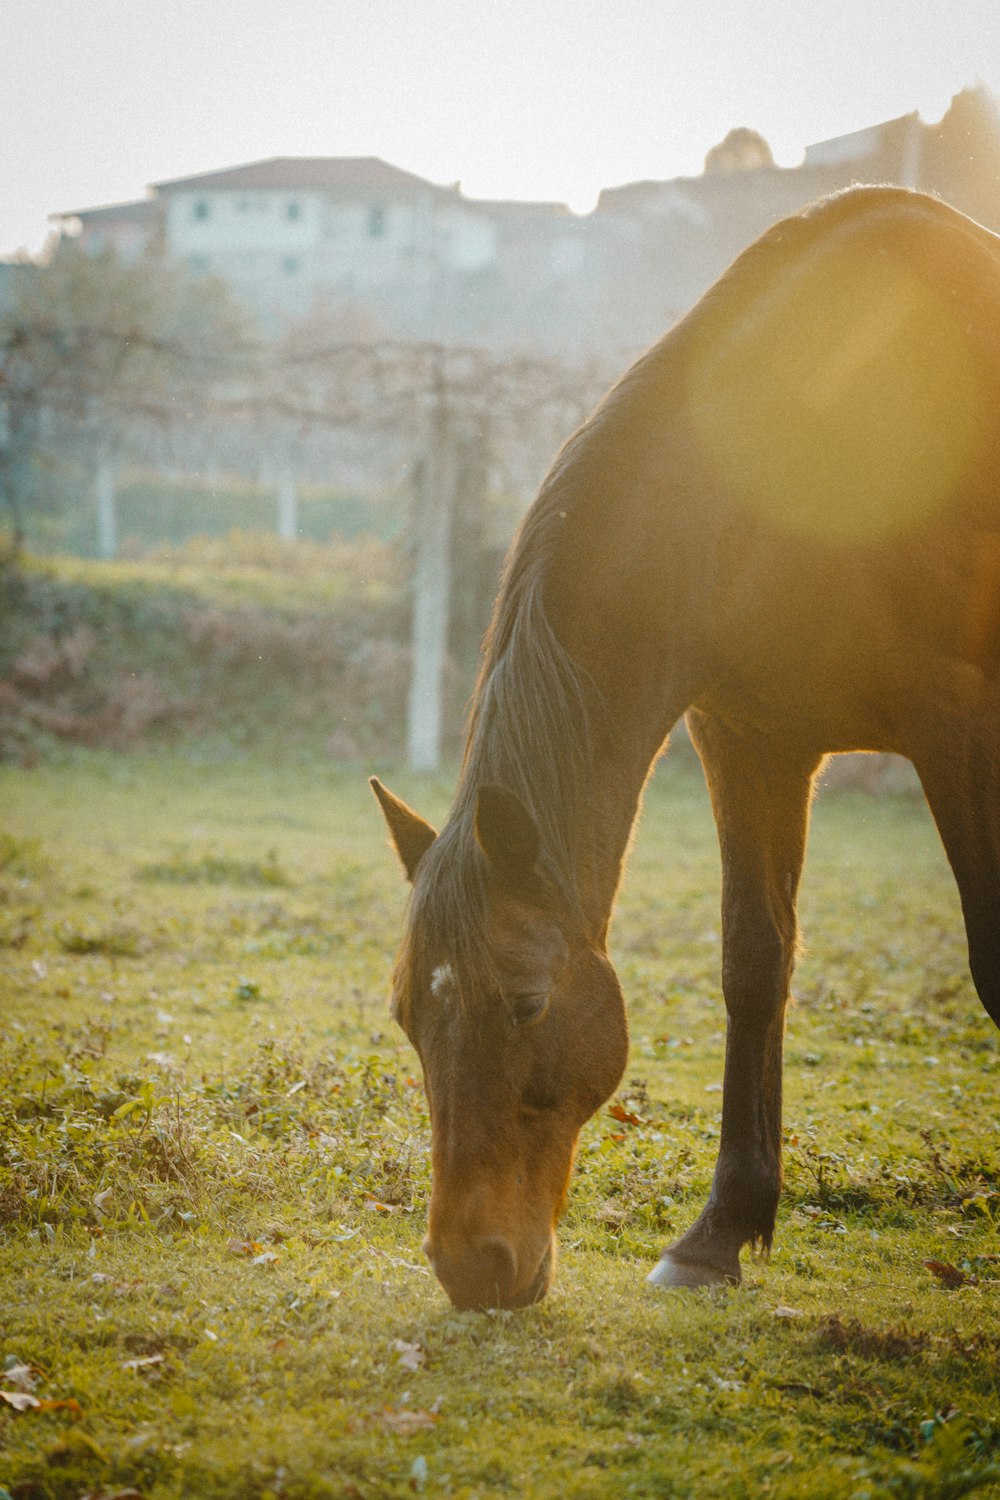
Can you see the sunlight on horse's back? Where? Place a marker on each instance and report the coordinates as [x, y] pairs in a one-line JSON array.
[[849, 399]]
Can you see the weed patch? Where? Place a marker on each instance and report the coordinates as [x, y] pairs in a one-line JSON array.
[[119, 940], [215, 869], [21, 858]]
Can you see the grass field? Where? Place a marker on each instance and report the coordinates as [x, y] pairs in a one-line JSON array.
[[214, 1172]]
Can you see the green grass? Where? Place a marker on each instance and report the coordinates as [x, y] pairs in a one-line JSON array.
[[214, 1172]]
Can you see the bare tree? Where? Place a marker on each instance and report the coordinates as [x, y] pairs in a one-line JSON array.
[[97, 344], [106, 351]]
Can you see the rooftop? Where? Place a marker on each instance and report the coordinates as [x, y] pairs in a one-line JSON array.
[[290, 173]]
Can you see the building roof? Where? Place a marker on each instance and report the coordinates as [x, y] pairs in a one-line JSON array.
[[280, 174], [137, 210], [528, 209], [296, 173], [857, 145]]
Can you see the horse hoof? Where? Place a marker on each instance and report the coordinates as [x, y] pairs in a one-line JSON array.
[[685, 1273]]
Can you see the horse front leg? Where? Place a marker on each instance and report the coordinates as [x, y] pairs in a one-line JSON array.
[[761, 793]]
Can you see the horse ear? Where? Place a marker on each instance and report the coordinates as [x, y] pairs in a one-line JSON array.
[[506, 833], [411, 835]]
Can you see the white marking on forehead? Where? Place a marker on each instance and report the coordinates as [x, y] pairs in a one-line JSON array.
[[443, 982]]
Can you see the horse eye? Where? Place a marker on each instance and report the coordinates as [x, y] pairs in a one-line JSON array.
[[527, 1008]]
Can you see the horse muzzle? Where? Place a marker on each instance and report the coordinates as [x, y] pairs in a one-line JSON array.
[[488, 1272]]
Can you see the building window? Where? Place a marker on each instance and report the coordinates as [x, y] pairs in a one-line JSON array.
[[376, 221], [293, 210], [201, 209]]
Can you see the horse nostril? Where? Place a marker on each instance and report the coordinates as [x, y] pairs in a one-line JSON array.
[[488, 1270], [481, 1273], [433, 1255], [496, 1270]]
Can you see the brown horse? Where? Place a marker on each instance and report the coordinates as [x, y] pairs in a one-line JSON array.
[[784, 521]]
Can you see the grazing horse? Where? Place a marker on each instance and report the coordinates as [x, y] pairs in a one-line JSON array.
[[783, 521]]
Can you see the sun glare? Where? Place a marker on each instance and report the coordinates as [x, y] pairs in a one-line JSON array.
[[848, 405]]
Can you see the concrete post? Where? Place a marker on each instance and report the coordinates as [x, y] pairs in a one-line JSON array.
[[431, 592]]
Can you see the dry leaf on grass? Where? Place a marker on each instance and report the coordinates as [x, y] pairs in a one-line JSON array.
[[624, 1116], [22, 1401], [19, 1400], [946, 1273], [120, 1288], [23, 1377], [143, 1362], [406, 1422], [115, 1495], [410, 1356], [244, 1247], [255, 1250]]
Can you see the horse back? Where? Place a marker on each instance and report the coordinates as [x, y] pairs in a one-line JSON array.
[[797, 491]]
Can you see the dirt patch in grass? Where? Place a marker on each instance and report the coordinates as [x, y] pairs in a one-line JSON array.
[[851, 1336]]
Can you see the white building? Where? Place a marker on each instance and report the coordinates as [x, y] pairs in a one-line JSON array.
[[287, 233]]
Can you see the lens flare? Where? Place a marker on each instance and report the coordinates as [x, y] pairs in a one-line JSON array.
[[846, 403]]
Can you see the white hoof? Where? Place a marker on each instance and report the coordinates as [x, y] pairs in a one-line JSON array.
[[680, 1273]]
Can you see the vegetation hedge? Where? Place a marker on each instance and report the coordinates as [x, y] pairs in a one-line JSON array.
[[155, 510], [242, 641]]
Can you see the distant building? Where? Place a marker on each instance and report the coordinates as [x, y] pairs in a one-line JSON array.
[[357, 237], [687, 230], [129, 229], [12, 274], [288, 233]]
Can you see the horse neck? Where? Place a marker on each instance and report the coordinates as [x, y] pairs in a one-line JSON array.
[[592, 651], [574, 739], [619, 602], [622, 763]]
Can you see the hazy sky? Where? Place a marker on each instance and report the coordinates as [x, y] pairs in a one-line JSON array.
[[515, 98]]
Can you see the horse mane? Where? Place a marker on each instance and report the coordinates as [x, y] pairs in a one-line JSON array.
[[529, 731], [530, 726]]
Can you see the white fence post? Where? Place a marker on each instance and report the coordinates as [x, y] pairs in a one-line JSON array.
[[288, 495], [104, 493], [431, 594]]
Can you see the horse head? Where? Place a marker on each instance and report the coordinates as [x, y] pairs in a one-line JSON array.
[[519, 1022]]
